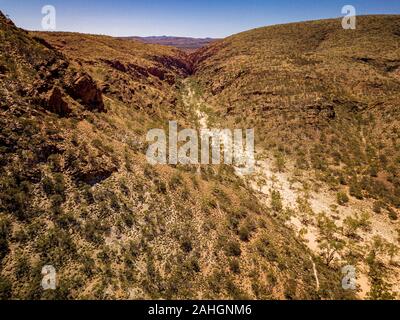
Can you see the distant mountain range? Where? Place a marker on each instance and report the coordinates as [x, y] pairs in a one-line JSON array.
[[184, 43]]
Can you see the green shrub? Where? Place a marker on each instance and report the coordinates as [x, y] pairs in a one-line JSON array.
[[160, 186], [342, 198], [94, 231], [276, 201], [221, 195], [55, 185], [59, 184], [56, 202], [186, 245], [15, 196], [232, 249], [244, 233], [22, 267], [175, 181], [192, 265], [280, 162], [47, 185], [5, 227], [234, 266], [5, 289], [392, 214], [56, 245], [3, 248], [352, 224], [378, 206], [355, 190], [55, 162], [373, 171]]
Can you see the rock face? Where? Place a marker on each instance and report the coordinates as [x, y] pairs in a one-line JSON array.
[[93, 176], [82, 87], [55, 102], [45, 75]]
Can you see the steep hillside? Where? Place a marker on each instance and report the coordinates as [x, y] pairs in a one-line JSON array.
[[77, 192], [324, 103]]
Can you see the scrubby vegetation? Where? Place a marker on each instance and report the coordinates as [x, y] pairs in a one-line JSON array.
[[78, 193]]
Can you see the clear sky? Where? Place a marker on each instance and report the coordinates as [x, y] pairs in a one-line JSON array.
[[205, 18]]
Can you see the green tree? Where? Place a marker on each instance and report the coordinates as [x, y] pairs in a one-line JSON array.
[[329, 242]]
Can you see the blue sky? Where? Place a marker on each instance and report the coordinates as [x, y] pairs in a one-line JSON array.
[[206, 18]]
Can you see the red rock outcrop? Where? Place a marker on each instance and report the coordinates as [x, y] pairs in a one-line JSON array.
[[55, 102], [82, 87]]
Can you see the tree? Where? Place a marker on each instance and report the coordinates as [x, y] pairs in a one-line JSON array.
[[392, 251], [381, 289], [329, 242], [352, 224]]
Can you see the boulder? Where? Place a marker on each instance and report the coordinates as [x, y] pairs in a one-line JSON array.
[[55, 102], [84, 89]]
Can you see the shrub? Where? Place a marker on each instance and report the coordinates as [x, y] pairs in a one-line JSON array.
[[94, 231], [355, 190], [54, 186], [55, 162], [342, 179], [128, 219], [56, 202], [276, 201], [15, 196], [161, 186], [352, 224], [208, 203], [378, 206], [392, 214], [56, 245], [232, 249], [234, 266], [3, 248], [192, 265], [47, 185], [22, 267], [234, 219], [5, 228], [175, 181], [5, 288], [342, 198], [186, 245], [59, 184], [244, 233], [221, 195], [373, 171], [280, 162]]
